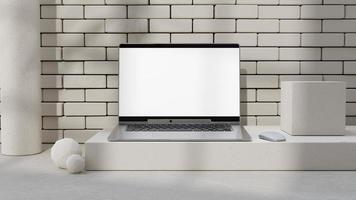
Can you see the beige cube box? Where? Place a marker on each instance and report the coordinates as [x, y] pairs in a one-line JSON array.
[[313, 107]]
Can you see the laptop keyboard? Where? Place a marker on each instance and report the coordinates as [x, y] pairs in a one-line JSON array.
[[179, 127]]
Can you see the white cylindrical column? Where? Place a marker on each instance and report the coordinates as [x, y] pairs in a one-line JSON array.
[[20, 77]]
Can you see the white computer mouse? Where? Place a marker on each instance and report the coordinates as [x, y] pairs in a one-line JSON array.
[[272, 136]]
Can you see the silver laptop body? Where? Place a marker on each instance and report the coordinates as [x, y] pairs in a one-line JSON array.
[[179, 92]]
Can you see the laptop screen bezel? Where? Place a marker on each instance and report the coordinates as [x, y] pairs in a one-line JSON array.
[[127, 119]]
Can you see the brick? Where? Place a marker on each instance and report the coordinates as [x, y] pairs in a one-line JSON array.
[[126, 25], [350, 121], [349, 79], [218, 25], [84, 81], [83, 2], [258, 25], [299, 2], [322, 39], [83, 53], [60, 95], [171, 25], [148, 12], [268, 120], [339, 53], [350, 39], [101, 67], [349, 67], [268, 95], [186, 11], [279, 12], [248, 120], [236, 11], [113, 109], [192, 38], [101, 95], [80, 26], [247, 95], [51, 53], [62, 12], [101, 12], [52, 109], [79, 109], [105, 39], [112, 54], [351, 95], [339, 2], [299, 78], [62, 67], [50, 25], [350, 108], [253, 53], [102, 122], [50, 2], [259, 81], [51, 81], [339, 26], [350, 11], [51, 136], [322, 11], [278, 39], [62, 40], [170, 1], [259, 108], [148, 38], [259, 2], [300, 26], [321, 67], [63, 122], [300, 54], [248, 67], [80, 136], [127, 2], [243, 39], [213, 2], [112, 81], [277, 67]]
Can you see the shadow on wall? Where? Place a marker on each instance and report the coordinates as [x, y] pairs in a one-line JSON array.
[[50, 79], [243, 97]]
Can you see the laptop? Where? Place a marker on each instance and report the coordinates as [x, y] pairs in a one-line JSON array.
[[179, 92]]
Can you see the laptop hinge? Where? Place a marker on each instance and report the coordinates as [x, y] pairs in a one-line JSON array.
[[178, 121]]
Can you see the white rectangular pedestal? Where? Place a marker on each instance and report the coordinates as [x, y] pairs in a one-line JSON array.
[[313, 107], [297, 153]]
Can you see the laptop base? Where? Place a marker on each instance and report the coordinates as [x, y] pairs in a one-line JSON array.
[[120, 134]]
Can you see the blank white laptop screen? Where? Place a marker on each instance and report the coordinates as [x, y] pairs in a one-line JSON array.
[[170, 81]]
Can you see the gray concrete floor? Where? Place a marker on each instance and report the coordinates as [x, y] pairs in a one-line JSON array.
[[35, 177]]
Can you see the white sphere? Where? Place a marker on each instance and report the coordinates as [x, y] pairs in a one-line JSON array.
[[75, 164], [62, 149]]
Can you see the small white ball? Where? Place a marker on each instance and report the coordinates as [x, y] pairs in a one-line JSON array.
[[62, 149], [75, 164]]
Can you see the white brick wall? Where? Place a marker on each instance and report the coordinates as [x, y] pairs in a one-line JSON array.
[[280, 40]]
